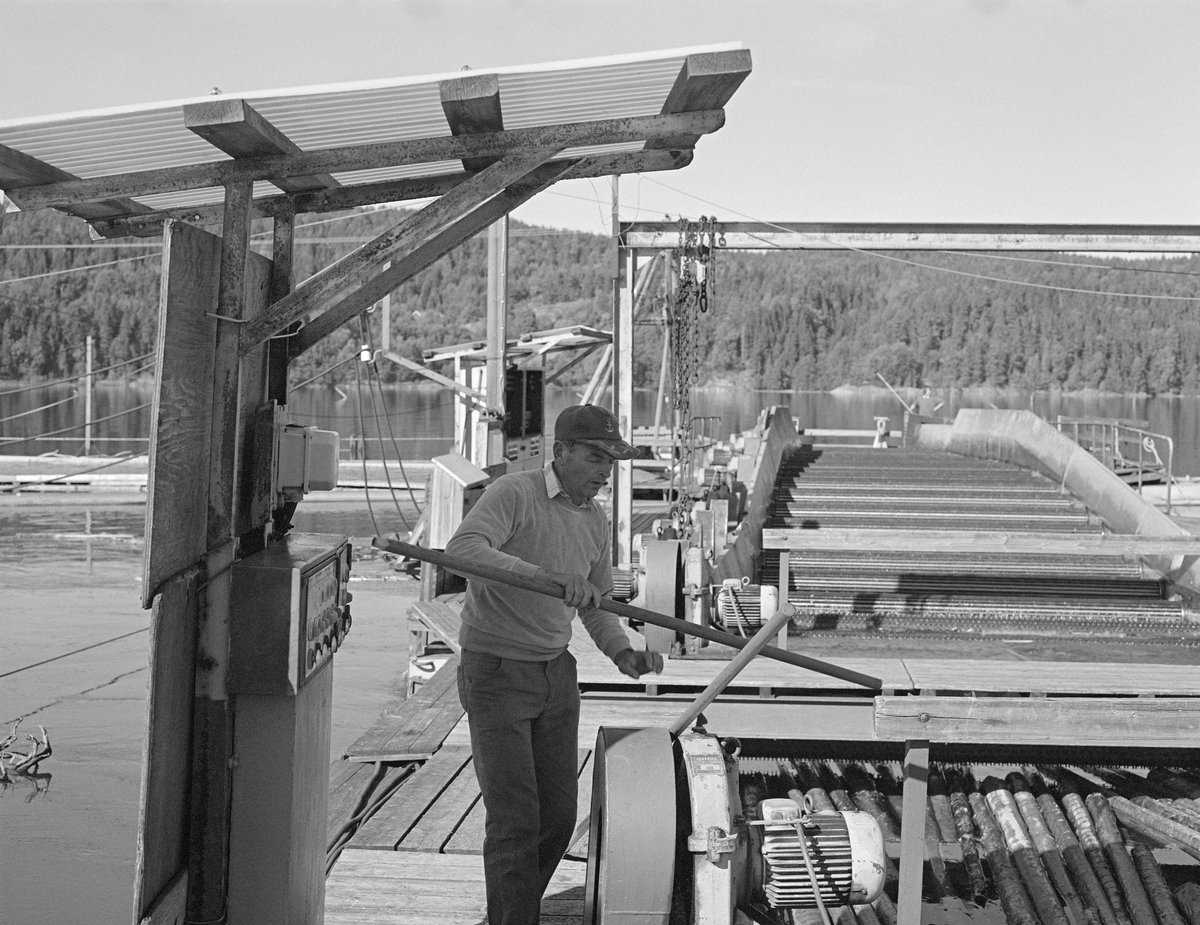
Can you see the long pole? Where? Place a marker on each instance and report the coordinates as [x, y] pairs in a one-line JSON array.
[[907, 406], [87, 400], [551, 589]]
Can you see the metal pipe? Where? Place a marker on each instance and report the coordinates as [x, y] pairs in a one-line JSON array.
[[552, 589], [732, 670]]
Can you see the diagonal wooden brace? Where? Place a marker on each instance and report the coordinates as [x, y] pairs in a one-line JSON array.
[[354, 269]]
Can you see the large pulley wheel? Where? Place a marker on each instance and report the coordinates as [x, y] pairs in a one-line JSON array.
[[663, 566], [631, 842]]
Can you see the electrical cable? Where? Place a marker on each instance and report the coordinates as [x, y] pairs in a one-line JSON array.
[[392, 435], [70, 475], [913, 263], [367, 805], [144, 629], [324, 372], [366, 483], [13, 441], [91, 266], [1068, 263], [13, 417], [387, 474], [95, 372]]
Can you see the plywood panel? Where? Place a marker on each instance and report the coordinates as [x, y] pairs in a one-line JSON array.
[[178, 482], [163, 806]]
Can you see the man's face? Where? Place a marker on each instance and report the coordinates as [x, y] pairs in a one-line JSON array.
[[582, 469]]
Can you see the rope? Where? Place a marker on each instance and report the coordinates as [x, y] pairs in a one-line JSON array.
[[95, 645], [95, 372], [64, 430], [90, 266]]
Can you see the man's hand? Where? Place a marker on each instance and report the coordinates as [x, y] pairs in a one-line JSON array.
[[578, 592], [637, 662]]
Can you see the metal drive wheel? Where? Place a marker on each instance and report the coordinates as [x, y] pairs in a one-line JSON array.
[[662, 563], [631, 842]]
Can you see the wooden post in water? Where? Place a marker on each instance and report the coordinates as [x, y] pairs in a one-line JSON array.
[[87, 400]]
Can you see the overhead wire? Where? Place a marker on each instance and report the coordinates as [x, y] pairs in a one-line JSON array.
[[21, 414], [1068, 263], [121, 458], [94, 372], [90, 266], [362, 431], [878, 256], [372, 368], [13, 441], [55, 658]]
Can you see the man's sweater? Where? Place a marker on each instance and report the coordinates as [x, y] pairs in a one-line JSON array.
[[519, 526]]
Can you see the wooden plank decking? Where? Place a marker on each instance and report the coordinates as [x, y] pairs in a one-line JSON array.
[[412, 888]]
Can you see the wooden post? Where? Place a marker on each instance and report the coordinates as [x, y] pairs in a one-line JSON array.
[[282, 281], [497, 338], [212, 743], [912, 832], [87, 400]]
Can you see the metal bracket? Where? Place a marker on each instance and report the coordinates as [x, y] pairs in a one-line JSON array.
[[712, 843]]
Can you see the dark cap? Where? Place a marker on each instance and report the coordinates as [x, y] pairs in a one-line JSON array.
[[596, 426]]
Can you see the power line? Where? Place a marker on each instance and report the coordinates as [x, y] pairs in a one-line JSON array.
[[1068, 263], [95, 372], [54, 433], [91, 266]]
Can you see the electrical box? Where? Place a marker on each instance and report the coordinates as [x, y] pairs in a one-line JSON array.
[[306, 459], [288, 614], [524, 418]]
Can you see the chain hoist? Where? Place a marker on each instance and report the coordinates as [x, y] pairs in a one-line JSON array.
[[695, 261]]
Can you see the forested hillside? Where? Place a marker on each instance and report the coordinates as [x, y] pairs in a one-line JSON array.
[[779, 320]]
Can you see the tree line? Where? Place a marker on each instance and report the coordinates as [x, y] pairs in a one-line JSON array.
[[778, 320]]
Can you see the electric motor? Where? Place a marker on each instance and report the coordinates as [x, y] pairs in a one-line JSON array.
[[836, 856], [743, 608]]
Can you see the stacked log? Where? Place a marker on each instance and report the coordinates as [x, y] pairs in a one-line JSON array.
[[1054, 846]]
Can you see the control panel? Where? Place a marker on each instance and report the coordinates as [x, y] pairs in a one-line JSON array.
[[289, 612]]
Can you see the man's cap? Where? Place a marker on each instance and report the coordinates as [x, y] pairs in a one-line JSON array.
[[596, 426]]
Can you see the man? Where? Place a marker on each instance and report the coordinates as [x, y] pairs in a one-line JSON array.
[[516, 679]]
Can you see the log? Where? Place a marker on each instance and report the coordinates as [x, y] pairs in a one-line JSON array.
[[1156, 887], [1004, 807], [964, 826], [811, 787], [1044, 843], [1018, 910], [1170, 809], [1178, 784], [1090, 890], [1188, 897], [1109, 833], [871, 801], [1151, 822], [1086, 832]]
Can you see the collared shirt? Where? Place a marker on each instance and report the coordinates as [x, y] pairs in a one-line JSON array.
[[554, 488]]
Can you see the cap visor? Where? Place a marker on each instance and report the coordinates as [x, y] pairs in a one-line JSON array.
[[617, 449]]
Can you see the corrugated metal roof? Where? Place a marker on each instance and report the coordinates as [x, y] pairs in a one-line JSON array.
[[123, 140]]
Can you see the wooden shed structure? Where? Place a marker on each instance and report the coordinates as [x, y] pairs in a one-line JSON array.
[[479, 144]]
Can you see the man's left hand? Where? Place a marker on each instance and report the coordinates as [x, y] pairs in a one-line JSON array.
[[637, 662]]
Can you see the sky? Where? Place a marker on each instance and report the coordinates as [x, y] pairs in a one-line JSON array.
[[856, 110]]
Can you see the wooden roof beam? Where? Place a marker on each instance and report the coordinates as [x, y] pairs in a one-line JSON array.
[[472, 106], [374, 156], [428, 248], [706, 81], [335, 282], [351, 197], [19, 171], [240, 131]]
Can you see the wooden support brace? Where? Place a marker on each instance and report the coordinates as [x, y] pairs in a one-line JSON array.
[[912, 832], [19, 170], [472, 106], [427, 247], [706, 81], [449, 383], [282, 262], [337, 281], [239, 130], [352, 197]]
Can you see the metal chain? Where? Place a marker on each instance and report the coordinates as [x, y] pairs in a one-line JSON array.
[[696, 260]]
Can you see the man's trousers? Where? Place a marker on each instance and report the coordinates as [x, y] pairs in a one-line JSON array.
[[524, 722]]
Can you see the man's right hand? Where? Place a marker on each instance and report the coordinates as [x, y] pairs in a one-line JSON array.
[[578, 592]]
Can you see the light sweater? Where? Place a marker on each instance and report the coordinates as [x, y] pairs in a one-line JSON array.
[[522, 522]]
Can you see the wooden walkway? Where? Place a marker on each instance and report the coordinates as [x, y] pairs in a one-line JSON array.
[[418, 858]]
